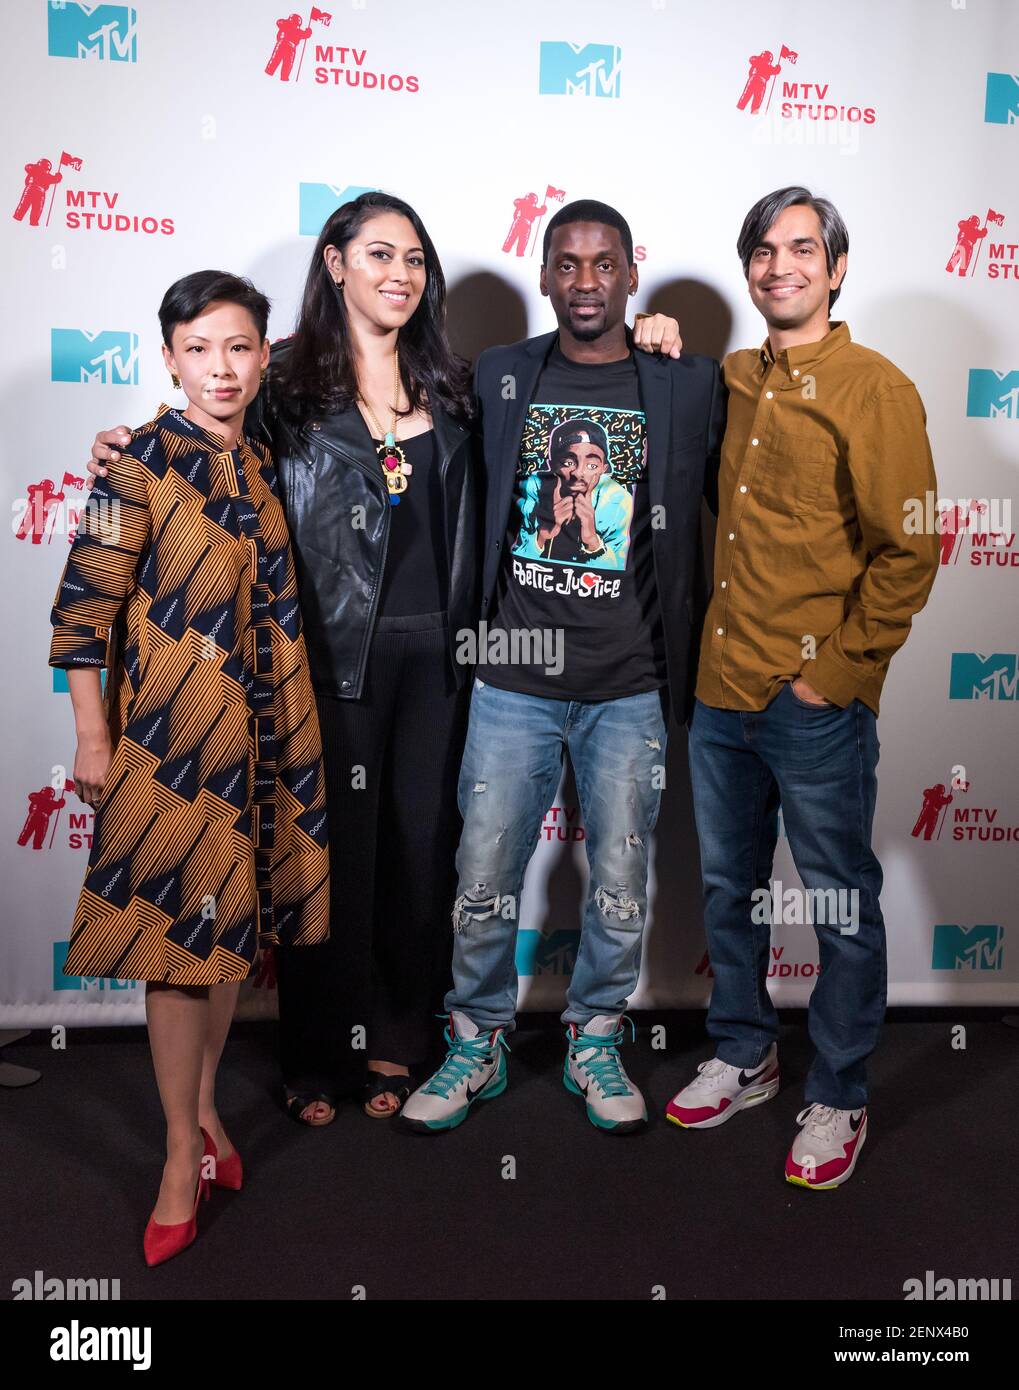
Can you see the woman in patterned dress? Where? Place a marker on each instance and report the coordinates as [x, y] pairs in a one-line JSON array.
[[204, 760]]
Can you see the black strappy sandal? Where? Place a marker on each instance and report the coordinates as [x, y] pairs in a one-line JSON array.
[[297, 1101], [378, 1084]]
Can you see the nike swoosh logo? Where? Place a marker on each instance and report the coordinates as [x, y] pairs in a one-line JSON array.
[[472, 1093], [746, 1077], [854, 1125]]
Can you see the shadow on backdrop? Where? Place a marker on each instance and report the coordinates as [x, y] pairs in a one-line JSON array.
[[704, 317], [482, 311]]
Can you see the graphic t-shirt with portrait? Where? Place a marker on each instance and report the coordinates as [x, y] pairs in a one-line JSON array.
[[577, 564]]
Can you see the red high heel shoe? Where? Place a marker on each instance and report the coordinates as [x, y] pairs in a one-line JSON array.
[[162, 1242], [229, 1171]]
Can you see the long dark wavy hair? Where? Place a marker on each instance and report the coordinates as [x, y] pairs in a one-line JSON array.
[[317, 375]]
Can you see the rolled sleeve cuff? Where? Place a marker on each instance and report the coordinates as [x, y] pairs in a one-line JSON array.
[[79, 645], [839, 683]]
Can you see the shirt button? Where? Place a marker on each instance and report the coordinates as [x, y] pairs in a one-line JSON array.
[[796, 371], [755, 441], [743, 487], [344, 685], [719, 631], [723, 583], [768, 395], [732, 535]]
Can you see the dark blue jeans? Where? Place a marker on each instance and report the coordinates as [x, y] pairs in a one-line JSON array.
[[818, 762]]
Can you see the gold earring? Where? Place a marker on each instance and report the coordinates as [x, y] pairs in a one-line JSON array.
[[261, 375], [175, 381]]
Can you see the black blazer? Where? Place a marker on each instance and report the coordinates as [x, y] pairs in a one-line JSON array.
[[326, 467], [684, 404]]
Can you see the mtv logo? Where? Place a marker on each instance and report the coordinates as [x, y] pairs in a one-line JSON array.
[[318, 202], [106, 33], [108, 357], [976, 677], [60, 686], [573, 69], [546, 955], [1001, 102], [968, 948], [992, 394], [62, 981]]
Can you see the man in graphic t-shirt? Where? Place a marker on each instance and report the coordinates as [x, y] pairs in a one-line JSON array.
[[596, 461]]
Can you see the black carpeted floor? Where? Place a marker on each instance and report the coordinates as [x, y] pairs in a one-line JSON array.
[[699, 1215]]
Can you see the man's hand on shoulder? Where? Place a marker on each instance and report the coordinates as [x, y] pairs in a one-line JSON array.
[[657, 333], [105, 447]]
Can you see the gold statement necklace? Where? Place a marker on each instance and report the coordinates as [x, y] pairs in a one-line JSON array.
[[395, 468]]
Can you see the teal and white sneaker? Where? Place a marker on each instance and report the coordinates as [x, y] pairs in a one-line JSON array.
[[594, 1070], [474, 1069]]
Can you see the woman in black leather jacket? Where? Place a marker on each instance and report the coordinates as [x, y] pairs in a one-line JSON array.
[[369, 415]]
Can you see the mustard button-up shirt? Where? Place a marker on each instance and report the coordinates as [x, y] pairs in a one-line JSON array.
[[817, 571]]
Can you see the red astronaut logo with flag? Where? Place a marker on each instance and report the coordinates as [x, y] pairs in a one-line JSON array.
[[528, 214], [769, 78], [78, 209], [44, 807], [330, 64], [949, 807], [1000, 262], [47, 512], [40, 188]]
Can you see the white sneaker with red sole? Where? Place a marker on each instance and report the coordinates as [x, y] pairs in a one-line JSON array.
[[719, 1090], [825, 1151]]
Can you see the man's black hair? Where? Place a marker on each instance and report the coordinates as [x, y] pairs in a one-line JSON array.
[[589, 210]]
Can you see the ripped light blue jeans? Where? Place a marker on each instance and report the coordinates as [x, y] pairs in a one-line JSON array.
[[511, 768]]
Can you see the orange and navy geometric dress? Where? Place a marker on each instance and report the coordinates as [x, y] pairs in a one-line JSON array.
[[210, 833]]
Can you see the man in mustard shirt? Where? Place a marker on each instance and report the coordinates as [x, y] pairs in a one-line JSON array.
[[816, 582]]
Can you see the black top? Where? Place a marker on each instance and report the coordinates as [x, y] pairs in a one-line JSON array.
[[414, 578], [577, 559]]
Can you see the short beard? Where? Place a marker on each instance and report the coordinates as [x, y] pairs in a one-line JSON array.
[[588, 335]]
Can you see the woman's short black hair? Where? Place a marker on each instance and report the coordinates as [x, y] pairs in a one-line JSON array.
[[589, 210], [189, 297], [766, 209]]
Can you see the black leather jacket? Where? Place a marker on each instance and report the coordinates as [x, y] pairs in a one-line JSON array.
[[338, 511]]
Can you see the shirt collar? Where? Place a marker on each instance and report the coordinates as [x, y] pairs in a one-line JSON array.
[[177, 423], [807, 354]]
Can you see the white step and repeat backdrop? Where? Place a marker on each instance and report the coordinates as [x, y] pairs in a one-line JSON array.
[[220, 133]]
